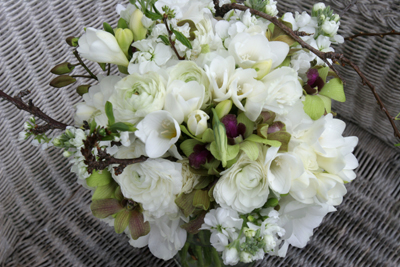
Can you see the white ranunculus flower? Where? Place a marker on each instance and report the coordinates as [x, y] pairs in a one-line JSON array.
[[197, 122], [165, 239], [244, 186], [284, 90], [137, 95], [153, 183], [159, 131], [330, 28], [248, 49], [101, 46], [281, 169], [183, 98], [95, 101]]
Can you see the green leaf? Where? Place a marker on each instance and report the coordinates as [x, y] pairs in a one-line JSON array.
[[323, 73], [99, 178], [232, 151], [188, 145], [103, 66], [110, 113], [262, 130], [92, 126], [102, 208], [242, 118], [185, 203], [122, 24], [327, 103], [123, 127], [223, 108], [208, 136], [258, 139], [118, 194], [314, 106], [121, 221], [204, 181], [283, 137], [334, 89], [201, 199], [108, 28], [137, 226], [104, 191], [251, 149], [152, 15], [164, 39], [181, 38], [186, 131]]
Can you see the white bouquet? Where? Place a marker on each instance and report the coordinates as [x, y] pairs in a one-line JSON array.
[[217, 138]]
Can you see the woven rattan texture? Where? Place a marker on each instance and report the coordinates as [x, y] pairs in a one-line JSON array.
[[44, 215]]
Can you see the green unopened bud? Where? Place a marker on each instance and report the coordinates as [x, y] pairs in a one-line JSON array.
[[223, 108], [250, 218], [102, 132], [62, 80], [124, 38], [336, 17], [72, 41], [57, 142], [83, 89], [136, 25], [62, 68], [263, 68], [272, 202], [69, 133], [67, 154]]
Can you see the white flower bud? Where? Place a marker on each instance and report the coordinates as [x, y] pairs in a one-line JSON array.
[[230, 256], [330, 28], [197, 122], [245, 257], [22, 136], [27, 126], [67, 154], [318, 6]]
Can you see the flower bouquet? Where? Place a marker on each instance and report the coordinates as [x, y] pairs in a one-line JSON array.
[[216, 142]]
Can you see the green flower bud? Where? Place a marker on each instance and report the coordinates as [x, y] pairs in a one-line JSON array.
[[223, 108], [83, 89], [124, 38], [62, 68], [136, 25], [62, 80], [72, 41]]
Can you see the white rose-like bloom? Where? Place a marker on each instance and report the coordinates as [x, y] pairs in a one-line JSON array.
[[197, 122], [165, 239], [153, 183], [283, 90], [159, 131], [101, 46], [183, 98], [244, 186], [248, 49], [137, 95], [95, 100], [330, 28]]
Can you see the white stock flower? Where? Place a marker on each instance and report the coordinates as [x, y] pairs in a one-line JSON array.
[[183, 98], [101, 46], [319, 6], [244, 186], [223, 220], [248, 49], [197, 122], [283, 90], [153, 183], [136, 95], [159, 131], [330, 28]]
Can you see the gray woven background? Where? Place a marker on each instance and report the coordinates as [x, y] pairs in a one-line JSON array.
[[44, 215]]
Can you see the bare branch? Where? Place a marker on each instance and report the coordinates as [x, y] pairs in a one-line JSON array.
[[170, 39], [350, 38]]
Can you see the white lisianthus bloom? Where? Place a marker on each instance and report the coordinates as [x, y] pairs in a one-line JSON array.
[[165, 239], [101, 46], [281, 169], [188, 71], [137, 95], [95, 100], [159, 131], [183, 98], [283, 89], [197, 122], [153, 183], [248, 49], [244, 186]]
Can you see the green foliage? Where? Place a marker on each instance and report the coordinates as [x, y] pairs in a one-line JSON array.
[[334, 89], [108, 28], [110, 113], [164, 39], [182, 38], [122, 24], [314, 106]]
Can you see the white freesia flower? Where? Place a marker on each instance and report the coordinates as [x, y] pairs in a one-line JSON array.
[[244, 186], [137, 95], [95, 100], [219, 73], [101, 46], [165, 239], [159, 131], [153, 183], [283, 89], [183, 98], [281, 169], [248, 49], [197, 122]]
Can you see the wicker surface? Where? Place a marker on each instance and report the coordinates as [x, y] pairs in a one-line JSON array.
[[44, 215]]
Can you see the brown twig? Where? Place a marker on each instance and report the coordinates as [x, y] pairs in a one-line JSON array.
[[350, 38], [335, 57], [103, 159], [299, 33], [170, 39], [17, 101]]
